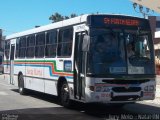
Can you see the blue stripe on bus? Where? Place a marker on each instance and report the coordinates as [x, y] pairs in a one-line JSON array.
[[50, 69]]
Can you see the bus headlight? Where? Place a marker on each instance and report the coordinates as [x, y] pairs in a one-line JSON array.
[[150, 88]]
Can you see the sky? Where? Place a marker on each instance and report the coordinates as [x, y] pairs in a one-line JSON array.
[[20, 15]]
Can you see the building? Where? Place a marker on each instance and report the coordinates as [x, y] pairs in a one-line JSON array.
[[155, 26], [151, 4], [154, 23], [157, 33]]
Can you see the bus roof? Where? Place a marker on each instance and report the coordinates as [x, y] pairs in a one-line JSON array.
[[72, 21], [68, 22]]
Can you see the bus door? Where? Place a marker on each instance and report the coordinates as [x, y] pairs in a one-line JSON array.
[[79, 67], [12, 63]]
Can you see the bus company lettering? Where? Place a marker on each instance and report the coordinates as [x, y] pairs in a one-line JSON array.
[[80, 27], [148, 94], [36, 72], [105, 95], [118, 21]]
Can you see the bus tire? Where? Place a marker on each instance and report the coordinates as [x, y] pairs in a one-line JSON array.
[[21, 88], [64, 95]]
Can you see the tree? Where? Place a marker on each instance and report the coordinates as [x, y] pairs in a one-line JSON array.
[[66, 17], [58, 17], [73, 15]]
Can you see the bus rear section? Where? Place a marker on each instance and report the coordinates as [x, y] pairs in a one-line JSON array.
[[117, 60]]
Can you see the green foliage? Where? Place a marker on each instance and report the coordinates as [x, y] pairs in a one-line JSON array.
[[58, 17]]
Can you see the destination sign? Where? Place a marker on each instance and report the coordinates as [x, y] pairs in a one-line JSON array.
[[118, 21]]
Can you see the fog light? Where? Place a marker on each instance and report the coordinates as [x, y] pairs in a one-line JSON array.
[[146, 88], [91, 88]]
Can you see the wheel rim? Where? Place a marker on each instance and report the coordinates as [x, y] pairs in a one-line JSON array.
[[64, 94], [21, 84], [20, 89]]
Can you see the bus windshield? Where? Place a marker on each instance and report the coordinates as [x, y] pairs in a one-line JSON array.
[[120, 51]]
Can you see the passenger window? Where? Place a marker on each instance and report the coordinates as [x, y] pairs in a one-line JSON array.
[[65, 42], [1, 58], [22, 47], [17, 47], [30, 46], [51, 44], [7, 48], [40, 44]]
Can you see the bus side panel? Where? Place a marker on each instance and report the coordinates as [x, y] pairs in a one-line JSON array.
[[35, 75], [51, 87], [16, 80], [54, 69], [51, 76], [7, 72], [36, 84], [67, 67], [17, 69], [28, 82], [6, 62]]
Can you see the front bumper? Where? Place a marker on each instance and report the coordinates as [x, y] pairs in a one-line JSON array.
[[120, 93]]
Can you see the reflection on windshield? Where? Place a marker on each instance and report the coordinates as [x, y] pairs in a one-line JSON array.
[[138, 52], [108, 56], [107, 52], [137, 45]]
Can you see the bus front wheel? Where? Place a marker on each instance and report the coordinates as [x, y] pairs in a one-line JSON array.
[[21, 85], [64, 95]]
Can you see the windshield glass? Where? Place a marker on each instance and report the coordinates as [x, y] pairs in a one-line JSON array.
[[138, 52], [120, 51]]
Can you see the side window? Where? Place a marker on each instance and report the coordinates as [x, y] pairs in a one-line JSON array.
[[1, 58], [40, 45], [17, 47], [65, 42], [7, 48], [22, 47], [51, 44], [30, 46]]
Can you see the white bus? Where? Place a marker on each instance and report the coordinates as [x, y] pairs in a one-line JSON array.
[[85, 59], [1, 62]]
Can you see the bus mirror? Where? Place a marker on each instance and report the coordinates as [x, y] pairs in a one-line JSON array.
[[86, 42]]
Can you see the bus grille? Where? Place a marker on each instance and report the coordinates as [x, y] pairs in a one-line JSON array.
[[124, 89], [125, 98], [124, 81]]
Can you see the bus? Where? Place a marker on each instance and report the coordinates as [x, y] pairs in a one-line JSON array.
[[85, 59], [1, 62]]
